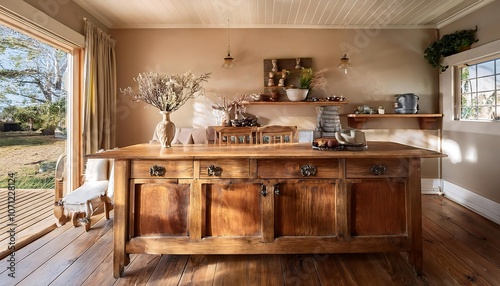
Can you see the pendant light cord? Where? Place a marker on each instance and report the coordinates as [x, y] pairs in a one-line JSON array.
[[228, 38], [344, 21]]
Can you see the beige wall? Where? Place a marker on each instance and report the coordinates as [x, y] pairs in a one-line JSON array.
[[385, 63], [472, 147], [66, 12], [486, 19]]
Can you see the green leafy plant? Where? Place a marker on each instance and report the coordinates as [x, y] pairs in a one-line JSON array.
[[448, 45], [305, 78], [308, 79]]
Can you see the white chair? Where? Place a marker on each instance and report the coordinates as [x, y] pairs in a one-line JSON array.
[[96, 190]]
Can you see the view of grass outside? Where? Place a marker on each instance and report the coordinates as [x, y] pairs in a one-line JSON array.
[[33, 90], [33, 156]]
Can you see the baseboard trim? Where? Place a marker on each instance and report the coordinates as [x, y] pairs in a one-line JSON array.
[[481, 205], [431, 187]]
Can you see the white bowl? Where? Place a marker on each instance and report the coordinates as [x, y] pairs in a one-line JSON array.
[[296, 94]]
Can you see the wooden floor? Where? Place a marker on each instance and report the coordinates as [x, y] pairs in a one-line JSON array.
[[33, 216], [460, 248]]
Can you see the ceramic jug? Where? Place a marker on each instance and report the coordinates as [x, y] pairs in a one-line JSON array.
[[406, 103]]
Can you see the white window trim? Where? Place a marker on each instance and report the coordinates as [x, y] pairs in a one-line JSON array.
[[448, 90]]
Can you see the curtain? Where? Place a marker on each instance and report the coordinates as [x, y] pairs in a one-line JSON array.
[[99, 90]]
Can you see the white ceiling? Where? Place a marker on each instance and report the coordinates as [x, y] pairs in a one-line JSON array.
[[118, 14]]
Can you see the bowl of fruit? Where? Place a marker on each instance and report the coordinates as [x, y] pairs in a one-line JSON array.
[[327, 143]]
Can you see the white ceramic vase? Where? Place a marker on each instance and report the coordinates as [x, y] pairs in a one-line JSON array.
[[165, 130]]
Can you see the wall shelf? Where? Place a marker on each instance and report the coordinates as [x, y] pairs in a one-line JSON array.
[[426, 121], [313, 103]]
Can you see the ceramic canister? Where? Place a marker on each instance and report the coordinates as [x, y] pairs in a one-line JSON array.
[[406, 103]]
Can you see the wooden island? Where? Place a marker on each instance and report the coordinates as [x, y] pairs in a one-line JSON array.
[[266, 199]]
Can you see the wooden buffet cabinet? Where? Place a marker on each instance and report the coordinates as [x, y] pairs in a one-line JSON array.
[[266, 199]]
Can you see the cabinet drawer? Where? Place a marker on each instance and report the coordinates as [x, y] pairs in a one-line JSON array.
[[376, 168], [161, 169], [224, 168], [298, 168]]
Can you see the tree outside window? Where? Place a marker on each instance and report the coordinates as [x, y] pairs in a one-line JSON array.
[[32, 82]]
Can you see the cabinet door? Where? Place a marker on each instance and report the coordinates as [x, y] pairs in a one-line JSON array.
[[160, 207], [378, 207], [232, 209], [305, 208]]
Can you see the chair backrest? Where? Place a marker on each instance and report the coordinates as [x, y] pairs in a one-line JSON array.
[[101, 170], [276, 134], [60, 176], [235, 135], [96, 170]]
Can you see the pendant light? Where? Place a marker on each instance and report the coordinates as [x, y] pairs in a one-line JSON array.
[[228, 60], [344, 61]]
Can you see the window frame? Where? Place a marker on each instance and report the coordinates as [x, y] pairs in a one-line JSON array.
[[18, 15], [448, 91], [459, 94]]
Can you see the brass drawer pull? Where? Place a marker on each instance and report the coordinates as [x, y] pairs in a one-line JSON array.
[[378, 170], [308, 170], [214, 171], [157, 171]]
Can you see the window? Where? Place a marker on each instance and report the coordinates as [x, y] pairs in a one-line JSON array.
[[479, 91], [18, 15]]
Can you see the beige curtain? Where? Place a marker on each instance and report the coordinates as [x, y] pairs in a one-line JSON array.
[[99, 90]]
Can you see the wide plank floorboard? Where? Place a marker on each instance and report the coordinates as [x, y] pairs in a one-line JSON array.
[[232, 270], [488, 232], [169, 270], [139, 270], [333, 271], [64, 256], [32, 217], [366, 270], [85, 265], [451, 262], [200, 270], [472, 259], [299, 269], [460, 248], [268, 270], [481, 244]]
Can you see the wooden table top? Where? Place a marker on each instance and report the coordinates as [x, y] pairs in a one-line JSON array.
[[255, 151]]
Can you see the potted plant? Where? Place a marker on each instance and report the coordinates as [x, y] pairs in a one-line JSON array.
[[448, 45], [305, 78], [308, 79]]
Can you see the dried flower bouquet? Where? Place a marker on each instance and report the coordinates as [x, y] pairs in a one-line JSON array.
[[167, 92]]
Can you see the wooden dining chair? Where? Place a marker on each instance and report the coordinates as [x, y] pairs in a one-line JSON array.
[[235, 135], [276, 134]]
